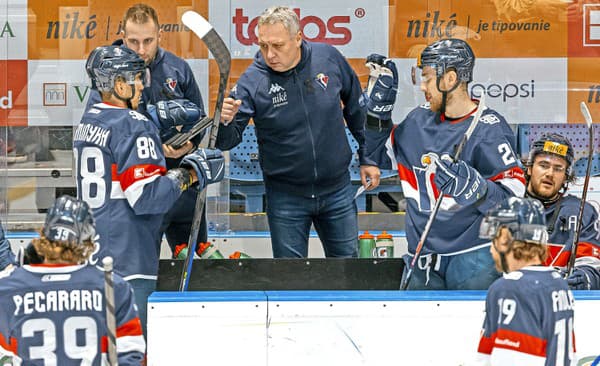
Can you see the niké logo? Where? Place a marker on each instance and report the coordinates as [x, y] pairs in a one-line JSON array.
[[72, 27], [435, 27]]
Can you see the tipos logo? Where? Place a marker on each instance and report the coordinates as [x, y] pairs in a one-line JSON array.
[[328, 30]]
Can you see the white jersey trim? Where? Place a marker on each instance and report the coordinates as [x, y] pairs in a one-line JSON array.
[[140, 277], [131, 344]]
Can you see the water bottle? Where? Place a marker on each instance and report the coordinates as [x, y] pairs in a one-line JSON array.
[[366, 245], [384, 245], [209, 251]]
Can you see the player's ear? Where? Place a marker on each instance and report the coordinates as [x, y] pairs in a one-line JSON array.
[[298, 38]]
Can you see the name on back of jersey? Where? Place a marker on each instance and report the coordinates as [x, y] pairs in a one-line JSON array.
[[91, 133], [58, 300]]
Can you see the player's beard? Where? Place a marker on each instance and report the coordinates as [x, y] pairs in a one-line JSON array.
[[546, 196]]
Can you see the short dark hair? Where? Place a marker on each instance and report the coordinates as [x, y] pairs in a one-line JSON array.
[[140, 14]]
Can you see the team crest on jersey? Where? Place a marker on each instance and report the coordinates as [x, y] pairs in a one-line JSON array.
[[322, 80], [278, 95], [171, 84], [490, 119]]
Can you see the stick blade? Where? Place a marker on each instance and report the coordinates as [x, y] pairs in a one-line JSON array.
[[586, 114], [196, 23]]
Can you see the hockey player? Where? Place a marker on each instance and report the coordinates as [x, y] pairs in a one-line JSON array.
[[549, 172], [529, 310], [121, 170], [487, 171], [173, 84], [54, 313]]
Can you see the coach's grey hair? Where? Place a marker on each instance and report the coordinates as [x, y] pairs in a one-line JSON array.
[[281, 14]]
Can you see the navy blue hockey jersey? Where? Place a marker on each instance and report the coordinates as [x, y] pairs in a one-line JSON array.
[[562, 227], [528, 320], [56, 315], [120, 170], [490, 150]]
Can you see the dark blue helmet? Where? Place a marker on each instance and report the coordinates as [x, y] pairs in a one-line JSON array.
[[448, 54], [106, 63], [69, 220], [555, 144], [524, 217]]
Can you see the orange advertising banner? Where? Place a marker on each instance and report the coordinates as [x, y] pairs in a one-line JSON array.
[[584, 86], [13, 93], [494, 28], [70, 29]]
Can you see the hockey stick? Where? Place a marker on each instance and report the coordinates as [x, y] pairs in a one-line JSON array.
[[182, 138], [202, 28], [438, 202], [588, 120], [111, 323]]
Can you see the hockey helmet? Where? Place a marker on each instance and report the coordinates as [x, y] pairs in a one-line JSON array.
[[555, 144], [106, 63], [524, 217], [69, 220], [448, 54]]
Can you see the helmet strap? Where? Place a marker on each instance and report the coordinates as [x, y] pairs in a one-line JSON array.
[[445, 93], [126, 100]]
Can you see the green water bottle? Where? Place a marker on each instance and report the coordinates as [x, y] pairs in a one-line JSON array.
[[366, 245], [209, 251], [384, 246]]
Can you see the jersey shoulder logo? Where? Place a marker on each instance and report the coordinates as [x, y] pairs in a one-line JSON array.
[[489, 119], [137, 116]]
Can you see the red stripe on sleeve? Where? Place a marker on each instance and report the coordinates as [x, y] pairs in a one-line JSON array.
[[130, 328], [136, 173], [584, 249], [486, 345], [515, 172]]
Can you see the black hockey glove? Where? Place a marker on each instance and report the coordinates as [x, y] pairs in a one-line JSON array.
[[167, 115], [584, 278], [380, 95], [459, 180], [208, 164]]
